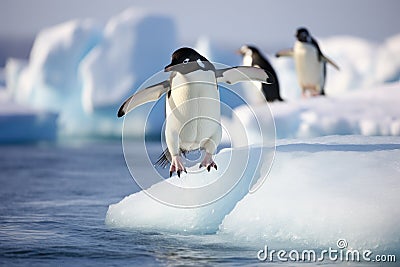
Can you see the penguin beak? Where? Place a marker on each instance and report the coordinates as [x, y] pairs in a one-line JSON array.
[[238, 52]]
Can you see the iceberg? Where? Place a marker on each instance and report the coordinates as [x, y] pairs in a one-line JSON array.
[[84, 70], [50, 79], [317, 191], [323, 189], [134, 43], [197, 202]]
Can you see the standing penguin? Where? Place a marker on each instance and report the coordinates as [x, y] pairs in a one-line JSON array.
[[192, 105], [253, 57], [310, 63]]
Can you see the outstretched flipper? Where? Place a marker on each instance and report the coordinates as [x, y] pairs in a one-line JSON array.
[[241, 74], [146, 95], [285, 53], [330, 61]]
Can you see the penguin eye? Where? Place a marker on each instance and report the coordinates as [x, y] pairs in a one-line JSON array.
[[200, 63], [186, 61]]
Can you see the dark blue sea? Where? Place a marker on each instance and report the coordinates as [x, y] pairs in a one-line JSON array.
[[54, 199]]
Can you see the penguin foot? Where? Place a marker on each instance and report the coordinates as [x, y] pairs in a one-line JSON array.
[[208, 162], [177, 166]]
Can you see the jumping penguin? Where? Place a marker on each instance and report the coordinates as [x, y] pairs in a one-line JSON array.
[[310, 63], [192, 105]]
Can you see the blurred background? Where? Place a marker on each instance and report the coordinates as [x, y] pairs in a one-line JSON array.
[[66, 66], [270, 24]]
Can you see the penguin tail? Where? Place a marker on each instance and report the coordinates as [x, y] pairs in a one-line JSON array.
[[164, 159]]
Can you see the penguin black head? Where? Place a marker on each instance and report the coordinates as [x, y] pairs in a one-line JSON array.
[[303, 35], [183, 56]]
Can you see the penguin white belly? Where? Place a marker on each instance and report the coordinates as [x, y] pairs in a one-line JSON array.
[[309, 69], [193, 112], [247, 60]]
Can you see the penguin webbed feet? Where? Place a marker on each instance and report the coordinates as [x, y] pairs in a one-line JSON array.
[[177, 166], [208, 162]]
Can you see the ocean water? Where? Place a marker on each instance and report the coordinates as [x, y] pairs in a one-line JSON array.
[[54, 199]]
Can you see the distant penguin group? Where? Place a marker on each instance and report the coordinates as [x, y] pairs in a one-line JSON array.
[[310, 64], [193, 115]]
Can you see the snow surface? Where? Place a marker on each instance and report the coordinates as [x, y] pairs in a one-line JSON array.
[[362, 112], [318, 190]]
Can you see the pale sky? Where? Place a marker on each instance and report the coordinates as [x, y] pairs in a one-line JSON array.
[[233, 22]]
